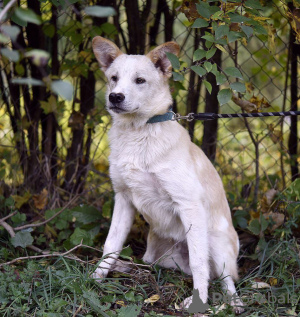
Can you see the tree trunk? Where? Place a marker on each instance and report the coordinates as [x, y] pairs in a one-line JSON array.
[[293, 137], [209, 143]]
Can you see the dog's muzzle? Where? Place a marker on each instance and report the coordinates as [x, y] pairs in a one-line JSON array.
[[116, 102]]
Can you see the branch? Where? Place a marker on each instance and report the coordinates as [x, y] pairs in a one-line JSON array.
[[47, 256], [51, 218], [244, 104], [6, 8], [8, 216]]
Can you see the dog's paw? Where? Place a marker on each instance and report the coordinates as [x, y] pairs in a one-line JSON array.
[[99, 275], [186, 303], [238, 306]]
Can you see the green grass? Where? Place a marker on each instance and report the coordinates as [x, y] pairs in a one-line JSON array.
[[63, 287]]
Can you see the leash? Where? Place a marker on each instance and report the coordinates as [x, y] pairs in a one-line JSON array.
[[170, 115]]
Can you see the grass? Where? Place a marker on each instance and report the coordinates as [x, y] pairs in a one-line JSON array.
[[64, 287]]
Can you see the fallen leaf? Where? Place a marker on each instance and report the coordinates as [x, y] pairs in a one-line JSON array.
[[152, 299], [121, 303], [273, 281], [277, 217], [40, 200], [258, 285]]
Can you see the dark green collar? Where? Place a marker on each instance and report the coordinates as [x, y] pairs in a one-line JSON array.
[[162, 117]]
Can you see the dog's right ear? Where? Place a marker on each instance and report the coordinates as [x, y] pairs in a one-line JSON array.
[[105, 51]]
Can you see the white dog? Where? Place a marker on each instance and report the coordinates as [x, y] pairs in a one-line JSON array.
[[157, 171]]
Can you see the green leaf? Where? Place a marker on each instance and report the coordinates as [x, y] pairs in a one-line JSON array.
[[38, 57], [22, 239], [4, 39], [200, 23], [81, 235], [203, 9], [220, 78], [221, 31], [208, 86], [209, 37], [254, 4], [174, 60], [224, 96], [27, 15], [130, 296], [18, 218], [199, 54], [129, 311], [177, 76], [12, 55], [259, 29], [198, 70], [126, 252], [239, 87], [107, 209], [210, 53], [254, 226], [233, 36], [27, 81], [264, 223], [62, 88], [94, 302], [247, 30], [100, 11], [86, 214], [208, 66], [237, 18], [10, 30], [18, 21], [233, 71]]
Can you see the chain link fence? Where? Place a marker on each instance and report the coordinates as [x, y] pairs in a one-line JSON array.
[[250, 154]]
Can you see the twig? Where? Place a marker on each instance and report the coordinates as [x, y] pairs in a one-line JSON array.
[[51, 218], [6, 8], [244, 104], [8, 228], [8, 216], [77, 311], [12, 233], [46, 256]]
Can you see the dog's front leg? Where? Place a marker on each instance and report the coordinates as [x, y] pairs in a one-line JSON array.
[[122, 220], [195, 224]]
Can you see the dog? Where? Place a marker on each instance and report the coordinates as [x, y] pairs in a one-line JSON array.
[[156, 170]]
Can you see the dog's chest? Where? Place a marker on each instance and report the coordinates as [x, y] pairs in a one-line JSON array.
[[142, 179]]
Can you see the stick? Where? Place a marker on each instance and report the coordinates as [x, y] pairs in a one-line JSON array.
[[6, 8], [51, 218], [46, 256]]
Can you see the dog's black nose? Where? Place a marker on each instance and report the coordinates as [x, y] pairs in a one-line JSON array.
[[116, 98]]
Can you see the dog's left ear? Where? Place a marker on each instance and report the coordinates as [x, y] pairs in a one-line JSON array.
[[159, 58]]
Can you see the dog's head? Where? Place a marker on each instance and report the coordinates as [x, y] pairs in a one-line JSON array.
[[137, 84]]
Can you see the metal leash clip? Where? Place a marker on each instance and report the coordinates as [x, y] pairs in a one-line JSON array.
[[178, 116]]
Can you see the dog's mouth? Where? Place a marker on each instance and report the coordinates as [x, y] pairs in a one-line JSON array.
[[117, 109]]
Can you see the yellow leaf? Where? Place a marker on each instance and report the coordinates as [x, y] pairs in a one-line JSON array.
[[273, 281], [50, 232], [152, 299], [121, 303], [21, 200], [249, 87], [271, 38], [221, 48], [40, 200]]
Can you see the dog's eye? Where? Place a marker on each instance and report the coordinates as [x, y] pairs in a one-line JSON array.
[[140, 80], [114, 78]]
